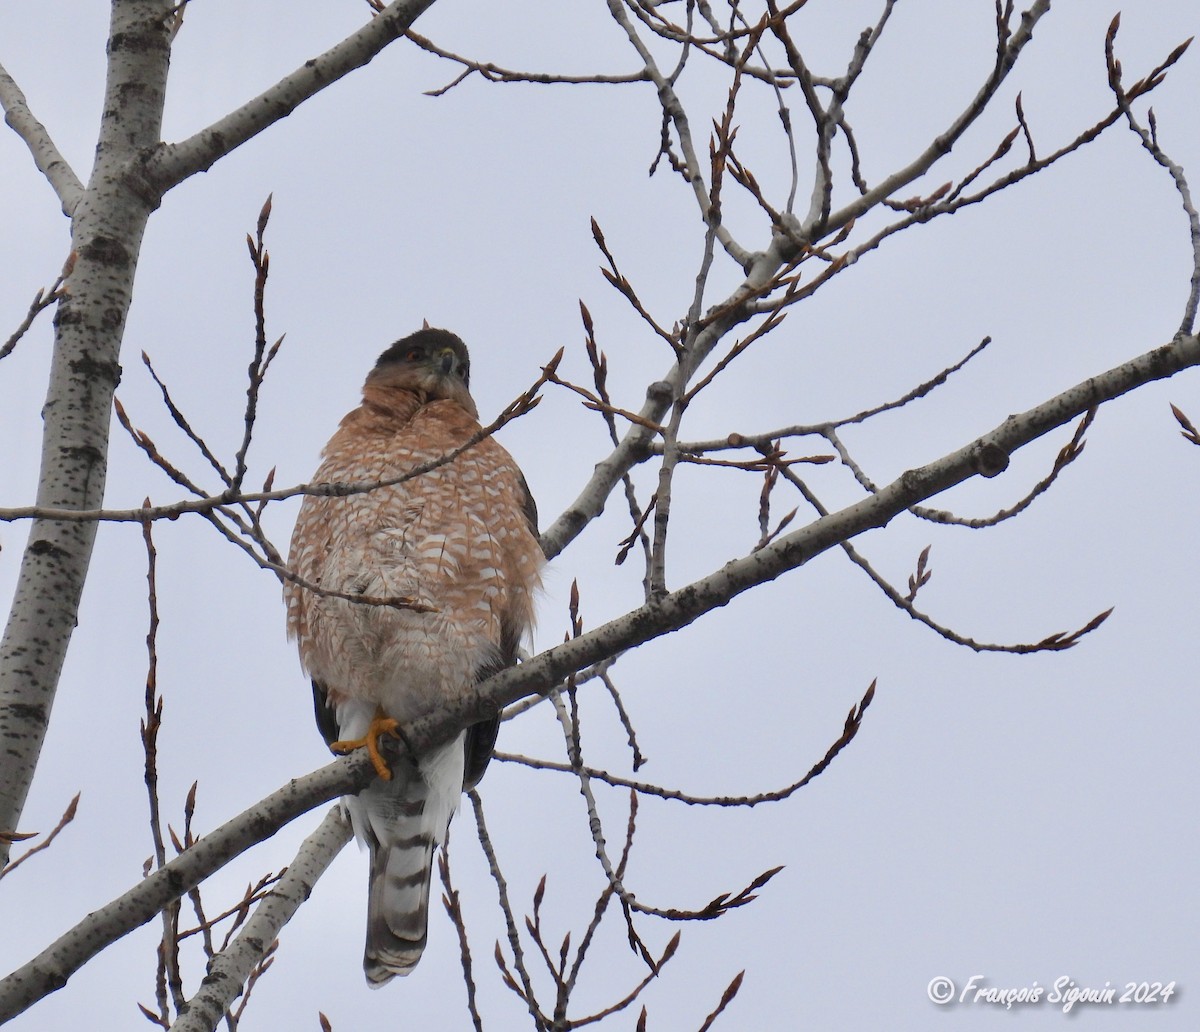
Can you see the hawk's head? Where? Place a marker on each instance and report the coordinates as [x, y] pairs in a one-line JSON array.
[[432, 362]]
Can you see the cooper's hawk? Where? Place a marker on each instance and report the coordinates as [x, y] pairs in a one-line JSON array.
[[461, 542]]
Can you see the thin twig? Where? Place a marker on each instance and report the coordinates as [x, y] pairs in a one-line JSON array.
[[1067, 454], [495, 74], [168, 976], [67, 817], [1149, 140], [42, 300], [849, 730], [1056, 642], [262, 358], [205, 503], [450, 900], [525, 990]]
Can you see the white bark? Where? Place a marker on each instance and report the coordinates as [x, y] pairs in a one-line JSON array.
[[46, 156], [106, 234], [175, 162], [50, 969], [132, 171], [230, 969]]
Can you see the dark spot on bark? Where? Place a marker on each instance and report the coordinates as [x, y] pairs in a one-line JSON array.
[[130, 89], [44, 547], [105, 251], [141, 180], [96, 369], [640, 448], [86, 452], [25, 711], [660, 391], [991, 460], [55, 980], [134, 42]]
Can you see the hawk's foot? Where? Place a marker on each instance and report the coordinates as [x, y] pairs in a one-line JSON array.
[[380, 725]]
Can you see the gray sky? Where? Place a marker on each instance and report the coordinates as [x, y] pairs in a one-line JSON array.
[[1022, 818]]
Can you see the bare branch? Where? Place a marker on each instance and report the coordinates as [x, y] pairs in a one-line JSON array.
[[1149, 140], [727, 996], [239, 912], [42, 300], [173, 163], [450, 900], [849, 730], [46, 156], [168, 975], [262, 357], [985, 456], [50, 969], [180, 421], [625, 288], [494, 73], [231, 969], [655, 966], [1056, 642], [67, 817], [525, 990], [917, 392]]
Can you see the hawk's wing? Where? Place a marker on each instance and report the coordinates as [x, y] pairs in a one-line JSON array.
[[481, 737]]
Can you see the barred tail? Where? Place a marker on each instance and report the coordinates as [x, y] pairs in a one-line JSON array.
[[398, 902], [402, 821]]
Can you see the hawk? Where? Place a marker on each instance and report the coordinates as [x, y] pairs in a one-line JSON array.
[[459, 542]]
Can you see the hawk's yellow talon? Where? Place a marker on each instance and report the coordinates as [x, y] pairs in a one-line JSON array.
[[380, 725]]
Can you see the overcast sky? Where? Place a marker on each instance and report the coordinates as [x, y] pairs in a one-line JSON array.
[[1021, 818]]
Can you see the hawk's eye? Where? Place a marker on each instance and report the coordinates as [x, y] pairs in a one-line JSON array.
[[414, 355], [464, 370]]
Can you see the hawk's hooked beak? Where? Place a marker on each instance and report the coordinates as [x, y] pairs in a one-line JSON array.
[[445, 360]]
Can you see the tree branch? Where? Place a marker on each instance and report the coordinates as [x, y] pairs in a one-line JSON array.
[[230, 969], [106, 233], [985, 456], [943, 144], [50, 969], [172, 163], [788, 244], [46, 156]]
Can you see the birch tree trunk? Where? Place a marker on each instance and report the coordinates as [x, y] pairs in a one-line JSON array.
[[132, 171], [108, 219]]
